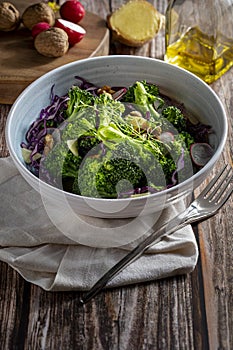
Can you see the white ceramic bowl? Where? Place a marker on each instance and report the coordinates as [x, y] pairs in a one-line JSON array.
[[185, 87]]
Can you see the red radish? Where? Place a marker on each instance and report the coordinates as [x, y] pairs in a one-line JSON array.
[[72, 10], [201, 153], [38, 28], [167, 137], [74, 31]]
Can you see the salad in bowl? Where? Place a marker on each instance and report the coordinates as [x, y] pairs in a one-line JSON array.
[[115, 142], [116, 136]]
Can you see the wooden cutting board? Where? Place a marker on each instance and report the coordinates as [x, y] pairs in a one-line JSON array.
[[21, 64]]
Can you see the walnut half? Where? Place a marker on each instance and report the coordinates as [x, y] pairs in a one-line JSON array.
[[9, 17], [40, 12], [52, 42]]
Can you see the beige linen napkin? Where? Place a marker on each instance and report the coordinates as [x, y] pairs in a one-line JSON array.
[[43, 255]]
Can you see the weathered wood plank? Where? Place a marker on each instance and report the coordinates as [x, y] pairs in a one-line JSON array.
[[134, 317], [169, 314], [216, 245]]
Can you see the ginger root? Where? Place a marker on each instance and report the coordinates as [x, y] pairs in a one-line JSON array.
[[135, 23], [9, 17]]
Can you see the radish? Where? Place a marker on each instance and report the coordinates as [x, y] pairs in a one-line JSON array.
[[38, 28], [72, 10], [201, 153], [74, 31], [166, 137]]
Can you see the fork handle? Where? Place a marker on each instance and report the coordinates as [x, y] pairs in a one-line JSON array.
[[167, 229]]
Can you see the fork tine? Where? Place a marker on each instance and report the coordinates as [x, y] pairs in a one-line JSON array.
[[224, 198], [216, 196], [212, 182], [225, 178]]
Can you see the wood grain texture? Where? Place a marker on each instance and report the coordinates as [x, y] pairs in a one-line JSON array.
[[216, 244], [185, 312], [21, 64]]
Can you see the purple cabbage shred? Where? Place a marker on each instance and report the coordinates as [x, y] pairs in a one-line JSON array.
[[51, 115]]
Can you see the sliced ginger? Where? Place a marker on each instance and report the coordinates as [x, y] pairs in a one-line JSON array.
[[135, 22]]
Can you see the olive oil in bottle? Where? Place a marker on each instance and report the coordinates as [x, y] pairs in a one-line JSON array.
[[199, 45]]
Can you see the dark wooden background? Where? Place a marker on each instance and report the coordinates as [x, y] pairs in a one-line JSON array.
[[185, 312]]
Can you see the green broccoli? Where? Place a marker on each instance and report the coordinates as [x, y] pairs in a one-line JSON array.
[[86, 116], [61, 163], [145, 95], [85, 183], [106, 178], [151, 90], [87, 143], [84, 122], [108, 109], [126, 164], [80, 113], [71, 165], [102, 154], [187, 138], [78, 99], [175, 117], [53, 162]]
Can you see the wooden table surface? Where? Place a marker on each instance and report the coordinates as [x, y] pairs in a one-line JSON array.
[[194, 311]]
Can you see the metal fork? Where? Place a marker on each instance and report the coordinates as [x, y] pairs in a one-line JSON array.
[[209, 201]]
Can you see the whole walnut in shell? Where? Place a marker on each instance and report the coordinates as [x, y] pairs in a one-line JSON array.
[[40, 12], [52, 42], [9, 17]]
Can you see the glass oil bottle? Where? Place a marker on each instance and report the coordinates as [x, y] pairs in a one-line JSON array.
[[199, 36]]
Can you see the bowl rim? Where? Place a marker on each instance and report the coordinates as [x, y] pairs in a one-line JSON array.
[[165, 192]]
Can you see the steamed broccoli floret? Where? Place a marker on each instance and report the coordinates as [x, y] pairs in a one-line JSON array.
[[175, 117], [144, 95], [187, 138], [119, 175], [88, 115], [85, 183], [151, 90], [125, 165], [108, 109], [61, 163], [81, 115], [87, 142], [106, 178], [169, 166], [53, 162], [78, 99], [150, 155], [84, 122], [71, 165]]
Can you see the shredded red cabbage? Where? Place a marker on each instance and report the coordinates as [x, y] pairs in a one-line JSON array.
[[179, 166], [49, 118]]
